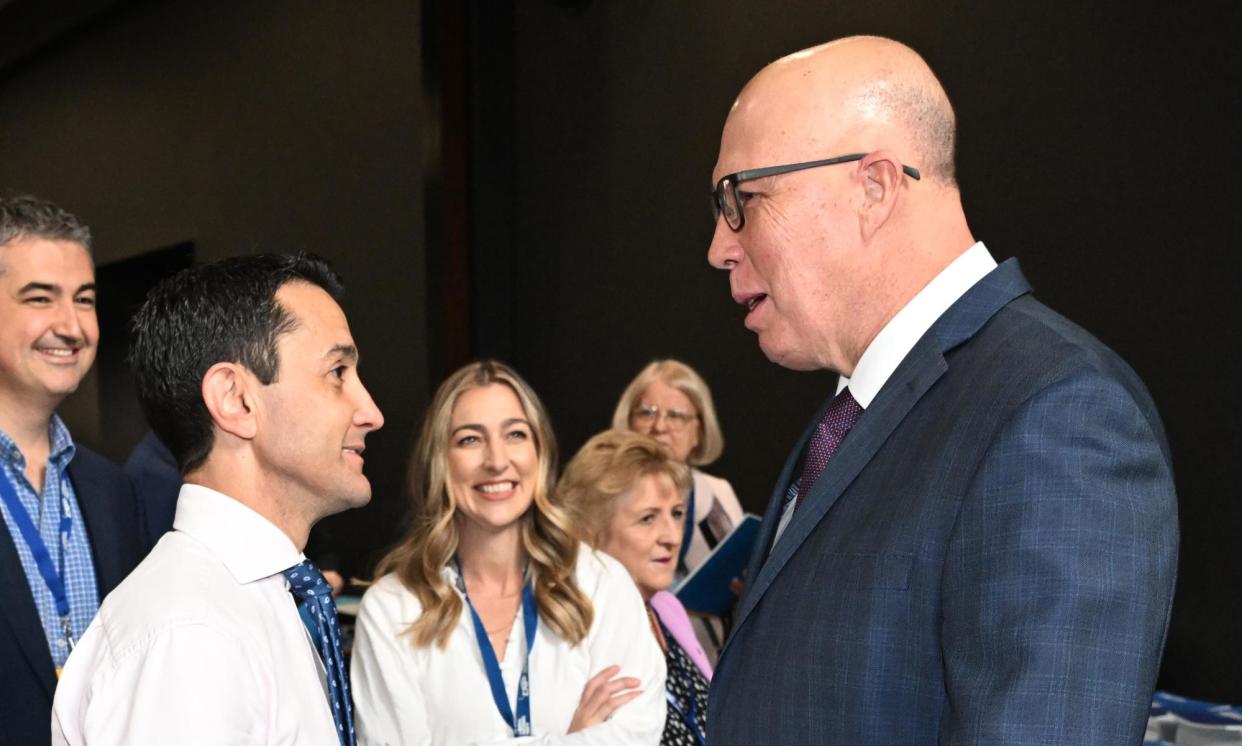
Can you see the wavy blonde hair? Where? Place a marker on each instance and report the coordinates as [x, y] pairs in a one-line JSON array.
[[686, 380], [607, 467], [419, 560]]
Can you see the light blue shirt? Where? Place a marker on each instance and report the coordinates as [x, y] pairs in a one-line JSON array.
[[45, 512]]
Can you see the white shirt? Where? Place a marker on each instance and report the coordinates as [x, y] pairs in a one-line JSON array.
[[904, 330], [201, 644], [408, 695]]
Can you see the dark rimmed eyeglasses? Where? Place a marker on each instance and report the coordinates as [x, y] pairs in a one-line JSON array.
[[727, 200]]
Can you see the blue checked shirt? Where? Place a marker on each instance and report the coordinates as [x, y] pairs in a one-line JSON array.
[[79, 570]]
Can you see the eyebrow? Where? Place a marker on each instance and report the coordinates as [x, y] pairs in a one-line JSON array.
[[48, 287], [507, 423], [345, 351]]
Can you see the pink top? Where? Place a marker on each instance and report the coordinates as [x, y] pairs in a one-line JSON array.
[[673, 615]]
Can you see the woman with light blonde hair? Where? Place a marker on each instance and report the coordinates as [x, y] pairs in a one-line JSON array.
[[490, 621], [669, 401], [626, 496]]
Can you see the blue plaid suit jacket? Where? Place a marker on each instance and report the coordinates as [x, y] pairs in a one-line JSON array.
[[988, 559]]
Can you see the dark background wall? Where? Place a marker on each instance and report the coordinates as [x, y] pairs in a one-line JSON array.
[[243, 127], [568, 147]]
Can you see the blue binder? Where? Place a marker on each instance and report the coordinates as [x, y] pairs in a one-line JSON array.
[[706, 589]]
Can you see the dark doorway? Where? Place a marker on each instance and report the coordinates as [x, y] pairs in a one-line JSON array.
[[123, 286]]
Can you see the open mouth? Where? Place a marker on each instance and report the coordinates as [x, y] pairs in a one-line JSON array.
[[59, 354], [753, 304], [355, 451], [497, 490]]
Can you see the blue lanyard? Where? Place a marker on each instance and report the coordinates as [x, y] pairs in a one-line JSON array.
[[689, 532], [530, 620], [43, 558], [691, 719]]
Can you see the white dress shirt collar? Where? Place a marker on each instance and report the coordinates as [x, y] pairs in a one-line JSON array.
[[905, 329], [249, 545]]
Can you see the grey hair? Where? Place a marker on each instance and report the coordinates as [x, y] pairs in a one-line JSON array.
[[26, 215], [926, 114]]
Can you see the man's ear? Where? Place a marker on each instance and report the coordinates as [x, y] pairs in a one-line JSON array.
[[228, 392], [882, 182]]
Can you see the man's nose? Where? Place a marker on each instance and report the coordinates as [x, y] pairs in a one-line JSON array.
[[724, 251], [368, 415], [68, 323]]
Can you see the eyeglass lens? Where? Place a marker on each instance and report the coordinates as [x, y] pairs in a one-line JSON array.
[[675, 418], [724, 199]]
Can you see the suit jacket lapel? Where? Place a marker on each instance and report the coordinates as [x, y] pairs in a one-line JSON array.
[[19, 613], [98, 513], [917, 373], [864, 440], [772, 517]]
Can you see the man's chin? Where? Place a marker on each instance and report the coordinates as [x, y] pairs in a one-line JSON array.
[[64, 384], [348, 500], [359, 500], [786, 357]]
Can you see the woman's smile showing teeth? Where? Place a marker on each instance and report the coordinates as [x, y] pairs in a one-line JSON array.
[[497, 490]]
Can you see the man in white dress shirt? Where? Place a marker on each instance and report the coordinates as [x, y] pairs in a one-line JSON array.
[[247, 370]]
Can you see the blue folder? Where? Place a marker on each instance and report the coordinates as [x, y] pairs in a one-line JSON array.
[[706, 589]]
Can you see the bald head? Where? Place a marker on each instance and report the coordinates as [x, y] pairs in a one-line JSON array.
[[863, 92]]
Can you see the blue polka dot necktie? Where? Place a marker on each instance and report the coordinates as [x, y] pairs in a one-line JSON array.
[[314, 595]]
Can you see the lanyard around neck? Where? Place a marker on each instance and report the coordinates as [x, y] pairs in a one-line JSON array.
[[530, 620], [53, 577]]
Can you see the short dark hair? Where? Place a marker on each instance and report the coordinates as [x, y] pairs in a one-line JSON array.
[[24, 215], [220, 312]]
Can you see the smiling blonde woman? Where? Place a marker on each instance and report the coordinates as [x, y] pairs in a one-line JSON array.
[[491, 622]]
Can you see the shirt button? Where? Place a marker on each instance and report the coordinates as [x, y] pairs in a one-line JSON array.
[[60, 643]]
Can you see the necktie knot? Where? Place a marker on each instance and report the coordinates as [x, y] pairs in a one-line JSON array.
[[307, 582]]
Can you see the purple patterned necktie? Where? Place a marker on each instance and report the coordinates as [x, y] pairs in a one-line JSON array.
[[831, 429]]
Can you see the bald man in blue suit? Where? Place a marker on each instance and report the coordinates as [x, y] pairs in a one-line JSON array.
[[975, 539]]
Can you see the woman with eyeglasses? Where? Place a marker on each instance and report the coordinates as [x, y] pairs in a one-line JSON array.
[[491, 622], [670, 402], [626, 496]]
